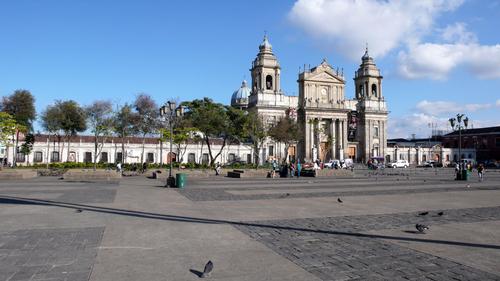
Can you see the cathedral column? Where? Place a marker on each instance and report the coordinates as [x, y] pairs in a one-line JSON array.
[[334, 138], [344, 138], [307, 145]]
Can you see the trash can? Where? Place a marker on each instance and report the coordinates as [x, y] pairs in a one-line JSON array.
[[180, 179], [465, 175]]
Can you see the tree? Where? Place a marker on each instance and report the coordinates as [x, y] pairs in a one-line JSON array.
[[257, 133], [125, 124], [180, 138], [73, 120], [148, 113], [215, 120], [21, 106], [27, 146], [285, 131], [7, 130], [51, 121], [99, 117]]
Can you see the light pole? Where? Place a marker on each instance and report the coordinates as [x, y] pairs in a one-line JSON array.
[[168, 111], [456, 124]]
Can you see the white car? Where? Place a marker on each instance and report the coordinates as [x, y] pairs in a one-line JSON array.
[[399, 164]]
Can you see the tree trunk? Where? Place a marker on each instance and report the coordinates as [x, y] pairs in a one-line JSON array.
[[48, 153], [95, 152], [123, 151], [142, 152], [14, 159], [67, 154]]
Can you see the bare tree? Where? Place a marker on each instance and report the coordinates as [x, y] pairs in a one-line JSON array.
[[99, 117], [124, 124], [148, 117]]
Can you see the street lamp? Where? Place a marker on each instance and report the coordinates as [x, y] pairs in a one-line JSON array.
[[456, 124], [169, 112]]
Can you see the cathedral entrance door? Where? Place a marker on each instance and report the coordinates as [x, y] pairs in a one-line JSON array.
[[352, 152], [324, 151]]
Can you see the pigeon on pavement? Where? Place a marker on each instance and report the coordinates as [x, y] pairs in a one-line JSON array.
[[440, 213], [421, 227], [78, 210], [208, 268], [339, 200], [423, 214]]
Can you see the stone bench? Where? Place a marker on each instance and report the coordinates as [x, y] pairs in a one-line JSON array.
[[17, 174], [91, 175], [235, 174]]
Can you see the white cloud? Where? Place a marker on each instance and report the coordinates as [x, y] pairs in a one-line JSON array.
[[435, 60], [439, 107], [348, 25], [416, 123], [498, 103], [457, 33]]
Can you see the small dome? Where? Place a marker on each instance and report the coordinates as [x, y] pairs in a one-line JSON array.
[[265, 44], [366, 56], [240, 96]]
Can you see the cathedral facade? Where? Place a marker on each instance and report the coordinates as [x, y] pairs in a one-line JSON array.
[[332, 126]]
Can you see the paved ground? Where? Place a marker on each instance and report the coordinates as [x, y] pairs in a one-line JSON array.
[[253, 229]]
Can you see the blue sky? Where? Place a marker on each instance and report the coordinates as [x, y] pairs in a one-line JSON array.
[[438, 57]]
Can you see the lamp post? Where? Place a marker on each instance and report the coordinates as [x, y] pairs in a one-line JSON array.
[[456, 124], [168, 111]]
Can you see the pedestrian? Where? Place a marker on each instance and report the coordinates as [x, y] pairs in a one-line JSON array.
[[274, 168], [119, 167], [299, 168], [480, 171], [457, 168], [217, 169], [144, 167], [292, 169]]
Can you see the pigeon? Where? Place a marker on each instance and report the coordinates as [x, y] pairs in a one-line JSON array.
[[468, 186], [421, 227], [440, 213], [208, 268], [339, 200], [423, 214], [78, 210]]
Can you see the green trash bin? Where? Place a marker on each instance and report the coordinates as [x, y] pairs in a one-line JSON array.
[[180, 180], [465, 174]]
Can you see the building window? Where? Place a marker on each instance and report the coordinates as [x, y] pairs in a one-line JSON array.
[[375, 131], [447, 158], [374, 90], [104, 157], [191, 158], [271, 150], [38, 157], [20, 157], [204, 159], [424, 158], [249, 158], [269, 82], [231, 157], [470, 156], [454, 158], [55, 156], [150, 157], [497, 142], [361, 91], [88, 157], [119, 156], [2, 150]]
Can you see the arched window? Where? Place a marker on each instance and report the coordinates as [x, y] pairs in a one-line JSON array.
[[269, 82], [361, 91], [374, 90], [38, 158]]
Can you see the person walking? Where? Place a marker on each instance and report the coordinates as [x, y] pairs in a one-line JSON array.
[[480, 171], [292, 169], [299, 168], [274, 168], [217, 169], [119, 167]]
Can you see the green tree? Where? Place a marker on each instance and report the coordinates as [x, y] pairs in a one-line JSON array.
[[257, 133], [180, 138], [8, 127], [99, 117], [125, 124], [27, 146], [21, 106], [215, 120], [73, 120], [148, 118], [51, 119], [285, 131]]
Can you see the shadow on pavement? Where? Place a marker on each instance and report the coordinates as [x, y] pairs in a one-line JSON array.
[[156, 216]]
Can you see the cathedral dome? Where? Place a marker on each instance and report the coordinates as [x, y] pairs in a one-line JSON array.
[[240, 96], [265, 45]]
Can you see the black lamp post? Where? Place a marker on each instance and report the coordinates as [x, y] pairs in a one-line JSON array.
[[168, 111], [456, 124]]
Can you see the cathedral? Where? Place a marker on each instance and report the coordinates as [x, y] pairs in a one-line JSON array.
[[332, 126]]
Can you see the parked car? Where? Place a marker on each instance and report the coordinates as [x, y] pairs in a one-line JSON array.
[[430, 164], [399, 164], [331, 164]]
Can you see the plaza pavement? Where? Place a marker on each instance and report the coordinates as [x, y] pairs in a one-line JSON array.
[[253, 229]]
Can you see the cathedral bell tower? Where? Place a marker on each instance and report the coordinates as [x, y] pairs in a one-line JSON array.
[[371, 110], [266, 70]]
